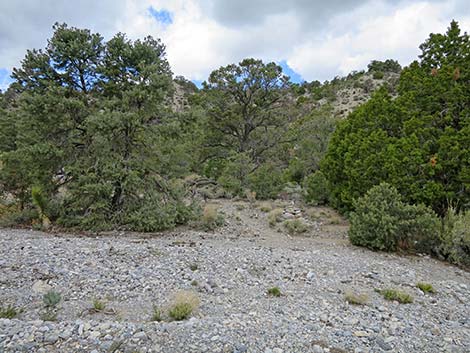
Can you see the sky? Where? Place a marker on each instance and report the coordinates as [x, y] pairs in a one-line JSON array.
[[310, 39]]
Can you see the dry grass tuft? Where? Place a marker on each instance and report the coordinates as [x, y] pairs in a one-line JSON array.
[[183, 305], [356, 299]]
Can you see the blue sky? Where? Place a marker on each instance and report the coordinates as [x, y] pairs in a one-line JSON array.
[[162, 16], [312, 40], [5, 79], [294, 76]]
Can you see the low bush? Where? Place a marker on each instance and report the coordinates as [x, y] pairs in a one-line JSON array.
[[296, 226], [356, 299], [455, 238], [156, 314], [9, 312], [51, 299], [426, 287], [98, 305], [274, 292], [275, 216], [12, 217], [183, 305], [265, 207], [381, 221], [211, 218], [396, 295], [378, 75]]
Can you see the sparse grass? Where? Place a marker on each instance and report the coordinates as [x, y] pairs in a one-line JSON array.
[[274, 292], [356, 299], [211, 218], [193, 267], [183, 305], [274, 217], [240, 206], [250, 196], [265, 207], [194, 283], [51, 299], [295, 226], [49, 315], [98, 305], [335, 220], [9, 312], [426, 287], [396, 295], [156, 314]]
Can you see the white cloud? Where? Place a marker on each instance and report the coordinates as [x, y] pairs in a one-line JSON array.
[[318, 39], [395, 33]]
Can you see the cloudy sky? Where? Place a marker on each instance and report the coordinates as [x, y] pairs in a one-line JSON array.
[[311, 39]]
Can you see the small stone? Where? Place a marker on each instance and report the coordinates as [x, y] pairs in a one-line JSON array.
[[65, 334], [41, 287], [277, 350], [317, 349], [51, 339], [95, 334], [310, 276], [361, 334], [382, 344], [240, 348], [141, 335], [324, 318]]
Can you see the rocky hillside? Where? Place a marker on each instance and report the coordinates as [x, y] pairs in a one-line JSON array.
[[346, 93]]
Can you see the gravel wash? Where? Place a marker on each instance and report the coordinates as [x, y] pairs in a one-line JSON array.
[[231, 271]]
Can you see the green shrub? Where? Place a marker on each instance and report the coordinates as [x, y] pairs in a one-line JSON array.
[[14, 217], [316, 189], [378, 75], [156, 314], [9, 312], [426, 287], [455, 237], [396, 295], [98, 305], [274, 292], [296, 226], [381, 221], [51, 299]]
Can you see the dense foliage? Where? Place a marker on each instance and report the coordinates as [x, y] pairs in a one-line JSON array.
[[381, 221], [418, 142], [87, 127]]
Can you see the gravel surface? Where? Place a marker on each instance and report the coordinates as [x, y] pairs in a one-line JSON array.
[[231, 270]]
